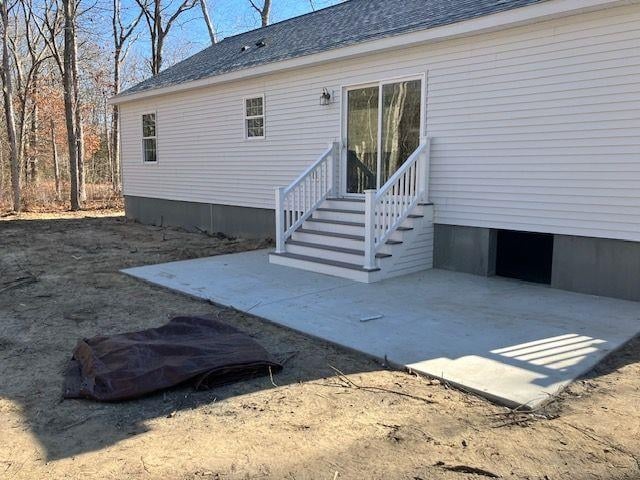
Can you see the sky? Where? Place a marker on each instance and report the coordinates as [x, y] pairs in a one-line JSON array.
[[230, 17]]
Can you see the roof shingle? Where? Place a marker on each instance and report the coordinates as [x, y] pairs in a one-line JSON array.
[[341, 25]]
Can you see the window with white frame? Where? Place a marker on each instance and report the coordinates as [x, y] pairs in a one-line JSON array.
[[254, 117], [149, 139]]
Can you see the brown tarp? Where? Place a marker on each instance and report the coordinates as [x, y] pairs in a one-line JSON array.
[[194, 350]]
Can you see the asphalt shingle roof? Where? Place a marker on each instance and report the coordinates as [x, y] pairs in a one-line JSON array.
[[348, 23]]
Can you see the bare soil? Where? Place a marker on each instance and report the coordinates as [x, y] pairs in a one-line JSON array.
[[60, 281]]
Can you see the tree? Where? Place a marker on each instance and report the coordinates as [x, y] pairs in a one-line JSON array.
[[66, 58], [264, 12], [28, 66], [56, 162], [207, 20], [154, 14], [7, 93], [122, 39], [72, 104]]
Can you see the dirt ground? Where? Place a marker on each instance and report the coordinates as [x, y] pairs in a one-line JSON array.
[[60, 280]]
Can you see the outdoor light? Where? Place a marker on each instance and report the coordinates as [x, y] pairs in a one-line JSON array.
[[325, 98]]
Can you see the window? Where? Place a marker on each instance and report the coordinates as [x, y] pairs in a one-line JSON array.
[[254, 117], [149, 140]]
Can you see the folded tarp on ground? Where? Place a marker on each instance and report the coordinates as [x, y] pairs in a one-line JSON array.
[[194, 350]]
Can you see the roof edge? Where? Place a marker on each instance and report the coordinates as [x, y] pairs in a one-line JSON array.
[[493, 22]]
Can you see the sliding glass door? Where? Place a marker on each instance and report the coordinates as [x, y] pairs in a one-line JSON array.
[[383, 123]]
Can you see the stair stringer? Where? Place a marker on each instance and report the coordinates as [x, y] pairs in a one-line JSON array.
[[415, 253]]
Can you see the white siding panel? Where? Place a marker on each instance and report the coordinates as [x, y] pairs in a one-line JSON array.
[[535, 128]]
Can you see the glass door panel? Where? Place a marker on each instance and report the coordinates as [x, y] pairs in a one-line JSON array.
[[362, 139], [383, 130], [400, 125]]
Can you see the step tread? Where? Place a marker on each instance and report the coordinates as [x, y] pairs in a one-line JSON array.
[[358, 212], [337, 222], [349, 224], [341, 235], [361, 200], [339, 210], [334, 248], [333, 263], [354, 200]]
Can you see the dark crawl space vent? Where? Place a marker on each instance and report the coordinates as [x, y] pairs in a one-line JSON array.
[[524, 255]]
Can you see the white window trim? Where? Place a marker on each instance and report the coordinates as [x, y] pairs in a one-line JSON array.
[[246, 117], [155, 137]]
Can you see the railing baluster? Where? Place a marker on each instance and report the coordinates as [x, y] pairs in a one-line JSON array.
[[393, 202], [325, 174], [310, 194], [307, 194], [295, 203], [401, 197], [299, 199]]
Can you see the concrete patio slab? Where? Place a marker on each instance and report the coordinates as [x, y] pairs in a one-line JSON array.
[[512, 342]]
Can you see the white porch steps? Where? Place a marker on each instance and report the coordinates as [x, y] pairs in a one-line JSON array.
[[332, 241]]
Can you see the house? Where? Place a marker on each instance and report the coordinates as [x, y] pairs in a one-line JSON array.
[[375, 138]]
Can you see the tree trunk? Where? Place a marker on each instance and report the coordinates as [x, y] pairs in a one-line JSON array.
[[82, 187], [207, 20], [82, 191], [7, 91], [56, 163], [265, 14], [159, 47], [115, 123], [156, 39], [33, 145], [106, 123], [70, 101]]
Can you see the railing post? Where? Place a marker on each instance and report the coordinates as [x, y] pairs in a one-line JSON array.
[[425, 168], [369, 229], [335, 162], [280, 220]]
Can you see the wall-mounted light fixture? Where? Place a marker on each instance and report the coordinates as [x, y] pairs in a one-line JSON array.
[[325, 97]]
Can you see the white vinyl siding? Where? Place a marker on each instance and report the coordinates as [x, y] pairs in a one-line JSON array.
[[535, 128]]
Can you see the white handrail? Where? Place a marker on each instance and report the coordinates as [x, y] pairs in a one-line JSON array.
[[387, 208], [297, 202]]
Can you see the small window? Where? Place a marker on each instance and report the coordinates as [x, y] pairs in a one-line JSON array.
[[149, 139], [254, 117]]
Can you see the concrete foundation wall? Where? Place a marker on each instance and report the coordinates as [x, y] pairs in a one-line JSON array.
[[230, 220], [597, 266], [465, 249]]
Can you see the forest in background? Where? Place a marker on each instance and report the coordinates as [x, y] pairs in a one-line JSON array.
[[61, 61]]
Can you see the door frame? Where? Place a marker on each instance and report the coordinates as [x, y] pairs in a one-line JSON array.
[[343, 122]]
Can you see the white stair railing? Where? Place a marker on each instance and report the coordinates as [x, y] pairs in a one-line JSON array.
[[387, 208], [298, 201]]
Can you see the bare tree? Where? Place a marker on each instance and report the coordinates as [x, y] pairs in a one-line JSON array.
[[7, 91], [72, 103], [54, 21], [264, 11], [207, 20], [66, 58], [154, 14], [37, 55], [122, 40], [56, 163]]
